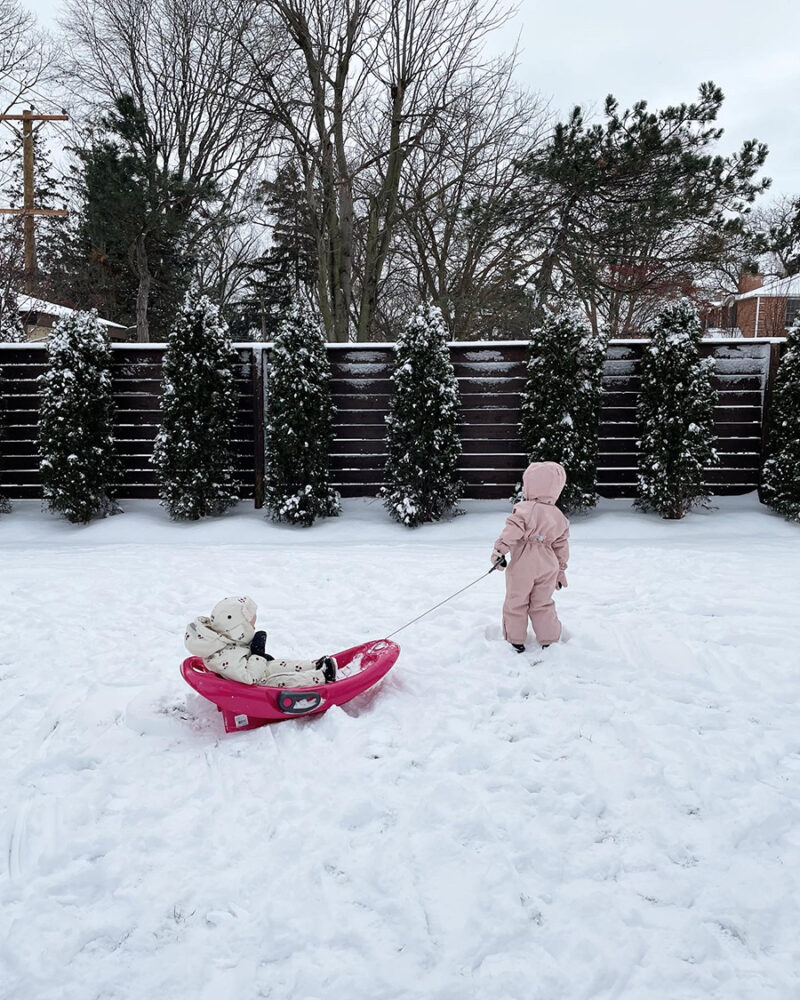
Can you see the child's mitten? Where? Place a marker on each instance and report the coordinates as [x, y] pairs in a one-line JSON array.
[[498, 560], [258, 646], [561, 580]]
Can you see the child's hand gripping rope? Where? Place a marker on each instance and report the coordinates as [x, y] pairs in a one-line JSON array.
[[498, 560]]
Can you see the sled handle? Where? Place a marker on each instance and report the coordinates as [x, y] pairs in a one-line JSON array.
[[298, 702]]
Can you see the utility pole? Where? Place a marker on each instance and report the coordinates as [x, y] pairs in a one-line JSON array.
[[28, 211]]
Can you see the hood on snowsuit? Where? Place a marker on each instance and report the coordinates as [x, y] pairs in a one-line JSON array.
[[235, 617], [543, 481]]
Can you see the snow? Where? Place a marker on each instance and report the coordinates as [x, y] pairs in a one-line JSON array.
[[28, 304], [616, 816], [718, 333]]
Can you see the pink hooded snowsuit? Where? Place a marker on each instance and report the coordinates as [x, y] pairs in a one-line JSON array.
[[537, 536]]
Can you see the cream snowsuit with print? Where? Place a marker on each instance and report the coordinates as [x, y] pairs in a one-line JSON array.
[[537, 536], [223, 641]]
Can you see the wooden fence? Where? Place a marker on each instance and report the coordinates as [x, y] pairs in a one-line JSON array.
[[491, 377]]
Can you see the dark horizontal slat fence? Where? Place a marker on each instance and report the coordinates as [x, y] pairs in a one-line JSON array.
[[136, 382], [490, 377]]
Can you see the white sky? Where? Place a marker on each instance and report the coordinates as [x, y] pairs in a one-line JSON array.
[[577, 51]]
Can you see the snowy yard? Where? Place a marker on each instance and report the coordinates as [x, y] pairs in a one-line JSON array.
[[616, 817]]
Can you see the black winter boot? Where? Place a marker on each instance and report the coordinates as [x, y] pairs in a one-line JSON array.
[[327, 665], [518, 646]]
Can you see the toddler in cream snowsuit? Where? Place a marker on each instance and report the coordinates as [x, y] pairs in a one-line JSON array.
[[229, 645], [537, 537]]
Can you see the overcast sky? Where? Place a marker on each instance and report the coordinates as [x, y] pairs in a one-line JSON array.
[[577, 51]]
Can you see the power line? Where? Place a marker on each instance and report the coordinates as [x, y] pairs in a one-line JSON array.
[[27, 88]]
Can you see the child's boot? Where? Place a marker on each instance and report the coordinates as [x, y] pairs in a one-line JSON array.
[[520, 648], [327, 664]]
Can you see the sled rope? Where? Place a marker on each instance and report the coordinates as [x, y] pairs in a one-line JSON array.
[[499, 562]]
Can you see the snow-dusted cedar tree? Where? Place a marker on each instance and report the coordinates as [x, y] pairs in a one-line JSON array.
[[781, 481], [561, 403], [194, 453], [77, 454], [299, 426], [11, 329], [422, 443], [676, 415]]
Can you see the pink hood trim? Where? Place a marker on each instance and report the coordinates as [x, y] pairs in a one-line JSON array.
[[543, 481]]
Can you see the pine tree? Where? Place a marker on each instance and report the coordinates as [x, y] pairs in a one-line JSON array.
[[421, 480], [194, 450], [12, 330], [631, 204], [48, 193], [12, 270], [561, 403], [78, 460], [288, 271], [129, 246], [781, 481], [676, 415], [299, 428]]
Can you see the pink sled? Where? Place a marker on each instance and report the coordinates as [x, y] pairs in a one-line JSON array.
[[247, 706]]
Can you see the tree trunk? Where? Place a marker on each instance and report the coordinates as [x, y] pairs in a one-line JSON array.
[[336, 252], [345, 259], [143, 295], [382, 220]]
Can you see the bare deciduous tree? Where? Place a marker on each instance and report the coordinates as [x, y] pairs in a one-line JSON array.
[[360, 86], [25, 59], [225, 256], [455, 228], [25, 55], [179, 61]]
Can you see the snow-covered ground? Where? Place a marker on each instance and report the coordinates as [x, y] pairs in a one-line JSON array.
[[614, 817]]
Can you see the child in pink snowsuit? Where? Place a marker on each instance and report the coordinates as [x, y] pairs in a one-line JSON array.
[[536, 534]]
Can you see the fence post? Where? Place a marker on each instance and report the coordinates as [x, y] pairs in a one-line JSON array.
[[774, 360], [257, 372]]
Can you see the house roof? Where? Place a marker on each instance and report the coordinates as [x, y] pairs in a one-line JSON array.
[[781, 289], [28, 304]]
